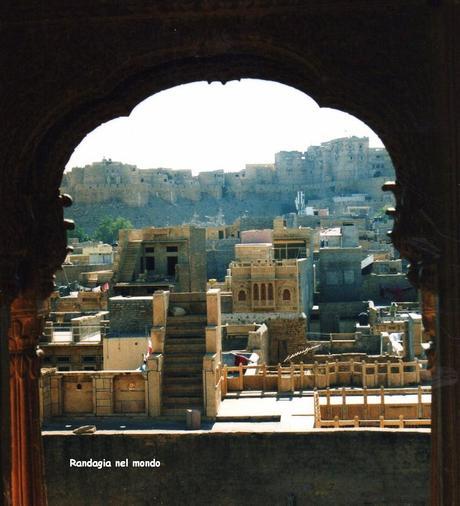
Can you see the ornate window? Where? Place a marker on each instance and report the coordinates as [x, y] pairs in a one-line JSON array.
[[256, 292], [286, 294], [242, 295]]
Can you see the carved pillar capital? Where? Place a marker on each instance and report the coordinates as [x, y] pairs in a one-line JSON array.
[[34, 245], [416, 238], [414, 235]]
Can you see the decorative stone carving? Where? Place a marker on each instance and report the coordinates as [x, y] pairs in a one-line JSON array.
[[26, 277], [31, 256], [27, 474], [389, 63]]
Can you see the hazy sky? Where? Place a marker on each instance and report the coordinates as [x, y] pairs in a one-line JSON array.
[[203, 126]]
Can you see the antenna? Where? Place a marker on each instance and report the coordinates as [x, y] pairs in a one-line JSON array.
[[300, 203]]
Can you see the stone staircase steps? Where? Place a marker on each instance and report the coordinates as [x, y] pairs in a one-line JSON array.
[[182, 390], [185, 398], [188, 341], [185, 346], [187, 319], [181, 354], [179, 380], [182, 401], [127, 268], [184, 371], [192, 331]]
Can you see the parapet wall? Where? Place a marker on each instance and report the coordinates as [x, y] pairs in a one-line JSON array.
[[317, 468], [130, 315], [91, 393]]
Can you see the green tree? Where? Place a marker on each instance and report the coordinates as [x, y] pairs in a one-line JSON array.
[[80, 233], [107, 230]]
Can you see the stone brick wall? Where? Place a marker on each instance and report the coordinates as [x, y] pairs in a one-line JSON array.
[[71, 394], [318, 468], [130, 315], [286, 337]]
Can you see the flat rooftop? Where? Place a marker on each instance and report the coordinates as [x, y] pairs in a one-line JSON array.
[[240, 412]]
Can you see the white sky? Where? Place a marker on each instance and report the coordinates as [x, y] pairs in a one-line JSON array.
[[203, 127]]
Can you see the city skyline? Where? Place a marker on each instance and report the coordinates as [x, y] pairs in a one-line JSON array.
[[217, 127]]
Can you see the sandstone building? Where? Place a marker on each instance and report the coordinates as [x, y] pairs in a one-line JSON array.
[[340, 165], [393, 64], [261, 283], [152, 258]]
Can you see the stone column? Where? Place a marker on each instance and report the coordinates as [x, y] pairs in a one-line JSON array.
[[5, 438], [213, 307], [35, 247], [154, 384], [160, 308], [212, 358], [421, 236], [27, 476]]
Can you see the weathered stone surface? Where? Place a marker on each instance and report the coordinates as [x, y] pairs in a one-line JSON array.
[[229, 469], [130, 315]]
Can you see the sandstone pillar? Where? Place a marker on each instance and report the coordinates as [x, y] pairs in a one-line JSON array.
[[5, 439], [154, 384], [35, 246], [213, 306], [160, 308], [27, 468]]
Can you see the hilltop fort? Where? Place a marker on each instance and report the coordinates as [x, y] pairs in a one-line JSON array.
[[340, 167]]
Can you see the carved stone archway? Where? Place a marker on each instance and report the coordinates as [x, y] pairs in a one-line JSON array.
[[390, 63]]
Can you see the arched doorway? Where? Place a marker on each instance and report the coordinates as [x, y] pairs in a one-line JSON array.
[[271, 42]]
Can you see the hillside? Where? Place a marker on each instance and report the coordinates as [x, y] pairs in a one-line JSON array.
[[161, 213]]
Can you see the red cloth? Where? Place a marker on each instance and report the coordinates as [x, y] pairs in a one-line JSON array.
[[241, 359]]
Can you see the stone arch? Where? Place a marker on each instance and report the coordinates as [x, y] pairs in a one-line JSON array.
[[286, 295], [83, 114], [306, 48], [242, 295]]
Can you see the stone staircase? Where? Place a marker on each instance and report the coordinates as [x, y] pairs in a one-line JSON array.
[[184, 349], [128, 262]]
